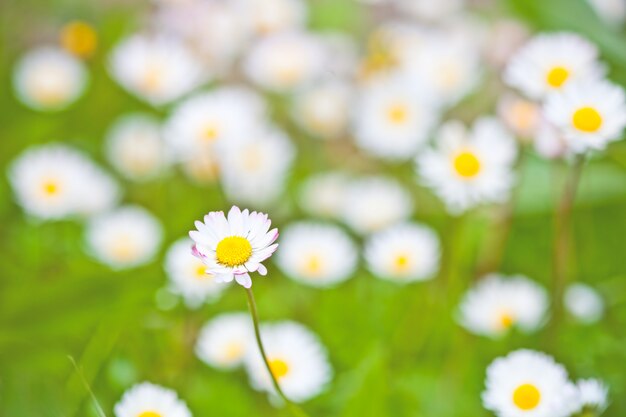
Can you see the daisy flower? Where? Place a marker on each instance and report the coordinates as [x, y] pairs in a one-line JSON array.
[[156, 69], [49, 79], [224, 341], [403, 253], [317, 254], [135, 147], [232, 247], [124, 238], [498, 303], [593, 395], [549, 62], [469, 168], [272, 16], [323, 109], [431, 10], [322, 194], [584, 303], [187, 275], [527, 383], [150, 400], [590, 114], [297, 360]]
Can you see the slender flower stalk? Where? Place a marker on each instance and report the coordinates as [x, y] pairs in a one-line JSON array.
[[293, 408]]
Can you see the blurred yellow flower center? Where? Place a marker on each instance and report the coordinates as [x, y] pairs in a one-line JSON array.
[[506, 320], [401, 263], [152, 80], [149, 414], [233, 351], [313, 265], [524, 114], [209, 134], [279, 368], [79, 38], [557, 76], [50, 95], [50, 188], [587, 119], [467, 164], [124, 250], [201, 272], [397, 114], [233, 251], [526, 397]]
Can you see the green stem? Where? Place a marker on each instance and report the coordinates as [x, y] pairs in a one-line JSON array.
[[295, 410]]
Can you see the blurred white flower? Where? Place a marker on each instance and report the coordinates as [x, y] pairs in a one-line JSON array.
[[156, 69], [285, 61], [584, 303], [497, 303], [55, 181], [232, 247], [135, 147], [549, 62], [297, 359], [323, 194], [187, 275], [504, 38], [48, 78], [323, 109], [374, 203], [530, 384], [521, 116], [272, 16], [150, 400], [403, 253], [611, 11], [429, 9], [317, 254], [469, 168], [589, 114], [225, 341], [549, 141], [124, 238], [202, 167], [593, 395]]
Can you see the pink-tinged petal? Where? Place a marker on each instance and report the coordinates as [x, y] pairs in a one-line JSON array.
[[262, 270], [266, 253], [224, 277], [265, 240], [244, 280], [195, 252], [251, 266]]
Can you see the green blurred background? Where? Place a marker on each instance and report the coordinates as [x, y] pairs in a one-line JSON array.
[[396, 350]]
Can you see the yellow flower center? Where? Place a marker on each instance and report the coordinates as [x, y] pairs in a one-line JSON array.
[[79, 38], [279, 368], [397, 114], [153, 80], [506, 320], [467, 164], [124, 250], [401, 263], [50, 188], [200, 272], [557, 76], [313, 265], [233, 351], [210, 133], [526, 397], [149, 414], [233, 251], [587, 119]]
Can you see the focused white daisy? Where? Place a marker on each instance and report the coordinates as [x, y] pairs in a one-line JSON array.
[[497, 303], [273, 16], [156, 69], [403, 253], [150, 400], [323, 109], [187, 275], [317, 254], [232, 247], [135, 147], [284, 61], [393, 118], [584, 303], [225, 341], [469, 168], [549, 62], [374, 203], [593, 395], [323, 194], [49, 78], [297, 359], [254, 171], [55, 181], [590, 114], [521, 116], [124, 238], [527, 383]]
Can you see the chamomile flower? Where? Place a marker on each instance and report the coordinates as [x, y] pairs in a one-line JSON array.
[[323, 194], [273, 16], [403, 253], [135, 147], [187, 275], [527, 383], [124, 238], [323, 109], [593, 395], [156, 69], [232, 247], [590, 114], [374, 203], [393, 118], [549, 62], [49, 79], [150, 400], [497, 304], [469, 168], [284, 61], [225, 341], [584, 303], [317, 254], [297, 359]]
